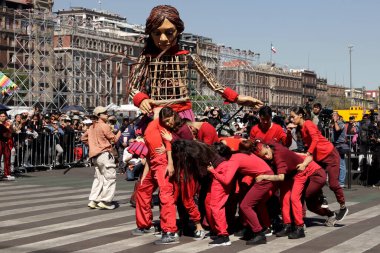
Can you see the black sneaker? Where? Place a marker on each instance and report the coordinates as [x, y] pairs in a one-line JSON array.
[[143, 231], [240, 233], [167, 238], [341, 214], [220, 241], [199, 234], [258, 238], [286, 230], [325, 204], [268, 231], [299, 232]]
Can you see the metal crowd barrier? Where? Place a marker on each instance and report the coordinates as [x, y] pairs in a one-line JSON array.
[[48, 150]]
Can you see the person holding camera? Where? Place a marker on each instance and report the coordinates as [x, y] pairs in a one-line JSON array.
[[339, 141]]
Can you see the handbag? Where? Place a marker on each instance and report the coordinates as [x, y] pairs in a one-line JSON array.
[[343, 148], [138, 148]]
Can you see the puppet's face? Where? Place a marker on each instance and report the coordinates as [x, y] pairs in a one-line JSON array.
[[165, 36]]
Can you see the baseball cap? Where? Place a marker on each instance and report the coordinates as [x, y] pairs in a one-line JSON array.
[[87, 121], [99, 109]]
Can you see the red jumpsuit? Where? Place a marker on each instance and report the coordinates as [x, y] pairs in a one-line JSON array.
[[255, 198], [207, 134], [325, 155], [253, 204], [156, 177], [217, 196], [187, 189], [6, 145], [291, 189], [274, 134]]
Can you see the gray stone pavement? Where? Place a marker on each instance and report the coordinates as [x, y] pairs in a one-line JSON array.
[[46, 211]]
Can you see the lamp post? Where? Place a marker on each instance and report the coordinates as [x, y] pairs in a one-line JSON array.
[[351, 92]]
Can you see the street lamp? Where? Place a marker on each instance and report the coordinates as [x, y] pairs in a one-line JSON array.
[[351, 92]]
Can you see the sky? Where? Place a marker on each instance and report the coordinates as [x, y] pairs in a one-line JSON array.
[[311, 35]]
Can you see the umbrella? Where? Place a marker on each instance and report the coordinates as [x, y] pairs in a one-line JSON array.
[[68, 108], [4, 108]]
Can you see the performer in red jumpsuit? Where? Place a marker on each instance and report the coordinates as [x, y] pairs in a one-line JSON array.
[[294, 171], [323, 152]]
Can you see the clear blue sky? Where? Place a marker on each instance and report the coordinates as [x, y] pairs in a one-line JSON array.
[[306, 34]]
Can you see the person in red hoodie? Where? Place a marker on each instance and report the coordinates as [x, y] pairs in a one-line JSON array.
[[158, 172], [268, 131], [187, 187], [295, 172], [203, 131], [160, 75], [322, 151]]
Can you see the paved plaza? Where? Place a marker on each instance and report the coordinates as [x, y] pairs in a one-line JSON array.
[[46, 211]]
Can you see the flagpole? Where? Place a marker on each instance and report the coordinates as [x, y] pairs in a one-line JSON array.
[[271, 52]]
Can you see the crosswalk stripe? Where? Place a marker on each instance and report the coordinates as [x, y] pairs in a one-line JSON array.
[[16, 186], [77, 237], [358, 244], [39, 194], [39, 198], [314, 232], [108, 215], [14, 193], [83, 201], [42, 217], [121, 245]]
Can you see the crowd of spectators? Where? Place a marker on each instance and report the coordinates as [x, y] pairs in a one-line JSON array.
[[33, 130]]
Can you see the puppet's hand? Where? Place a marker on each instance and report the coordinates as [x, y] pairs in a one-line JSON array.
[[249, 101], [146, 106]]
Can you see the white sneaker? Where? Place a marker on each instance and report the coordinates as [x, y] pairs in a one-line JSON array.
[[105, 206], [92, 204], [9, 178]]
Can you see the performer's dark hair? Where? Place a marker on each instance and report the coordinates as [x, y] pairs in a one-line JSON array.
[[246, 147], [299, 110], [265, 111], [222, 149], [193, 158]]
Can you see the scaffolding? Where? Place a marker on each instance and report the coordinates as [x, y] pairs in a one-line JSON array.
[[59, 61], [32, 59], [215, 58]]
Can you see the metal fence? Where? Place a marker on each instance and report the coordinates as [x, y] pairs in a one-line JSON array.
[[48, 150]]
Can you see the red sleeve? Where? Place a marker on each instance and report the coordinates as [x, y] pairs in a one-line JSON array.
[[313, 132], [286, 138], [225, 172], [281, 165], [207, 134], [139, 97], [252, 134], [168, 145], [230, 95]]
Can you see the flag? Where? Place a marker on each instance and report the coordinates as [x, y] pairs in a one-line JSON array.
[[6, 84], [274, 50]]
